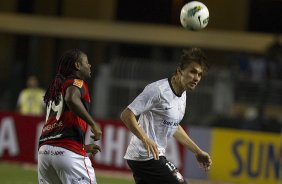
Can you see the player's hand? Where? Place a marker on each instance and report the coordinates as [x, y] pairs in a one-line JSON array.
[[92, 148], [204, 160], [95, 129], [151, 148]]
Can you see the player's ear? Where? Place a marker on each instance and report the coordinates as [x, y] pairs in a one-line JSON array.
[[179, 71], [76, 65]]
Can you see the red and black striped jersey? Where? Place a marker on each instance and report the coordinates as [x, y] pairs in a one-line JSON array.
[[63, 127]]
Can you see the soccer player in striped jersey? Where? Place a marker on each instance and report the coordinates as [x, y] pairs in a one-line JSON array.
[[161, 107], [62, 152]]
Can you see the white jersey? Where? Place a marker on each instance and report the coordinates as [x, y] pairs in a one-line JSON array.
[[161, 111]]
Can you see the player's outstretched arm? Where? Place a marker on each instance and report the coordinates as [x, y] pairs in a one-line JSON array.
[[129, 119], [203, 157]]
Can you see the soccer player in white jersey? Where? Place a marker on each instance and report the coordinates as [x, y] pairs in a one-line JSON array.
[[161, 107]]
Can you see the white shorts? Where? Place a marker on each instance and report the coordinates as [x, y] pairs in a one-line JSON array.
[[57, 165]]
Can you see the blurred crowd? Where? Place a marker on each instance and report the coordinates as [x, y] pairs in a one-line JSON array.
[[258, 92]]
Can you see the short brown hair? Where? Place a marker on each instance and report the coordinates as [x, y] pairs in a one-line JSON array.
[[193, 55]]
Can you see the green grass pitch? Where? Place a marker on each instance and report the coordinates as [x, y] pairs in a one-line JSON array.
[[15, 174]]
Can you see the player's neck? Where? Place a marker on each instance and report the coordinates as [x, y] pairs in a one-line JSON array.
[[78, 75], [176, 85]]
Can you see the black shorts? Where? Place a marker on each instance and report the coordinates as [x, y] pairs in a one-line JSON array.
[[155, 172]]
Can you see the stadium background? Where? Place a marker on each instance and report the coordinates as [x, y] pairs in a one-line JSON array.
[[235, 113]]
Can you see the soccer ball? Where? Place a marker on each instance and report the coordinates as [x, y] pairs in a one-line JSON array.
[[194, 16]]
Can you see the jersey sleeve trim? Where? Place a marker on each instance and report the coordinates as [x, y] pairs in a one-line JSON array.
[[132, 109], [78, 83]]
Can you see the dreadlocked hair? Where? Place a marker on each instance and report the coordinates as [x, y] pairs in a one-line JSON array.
[[66, 68]]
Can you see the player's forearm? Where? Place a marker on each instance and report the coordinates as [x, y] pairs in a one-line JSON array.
[[181, 136], [129, 119], [78, 108]]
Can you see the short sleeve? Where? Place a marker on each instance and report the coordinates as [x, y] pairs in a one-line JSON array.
[[146, 100], [74, 82]]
